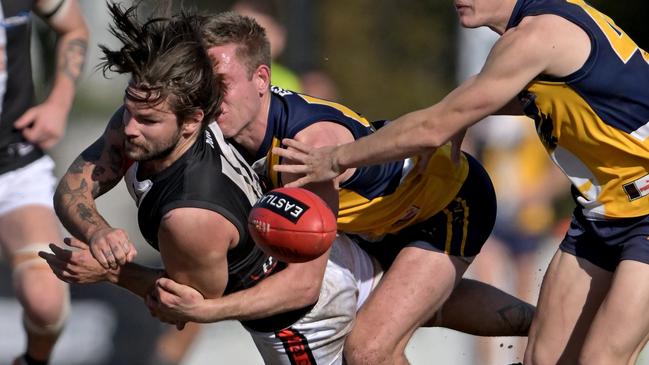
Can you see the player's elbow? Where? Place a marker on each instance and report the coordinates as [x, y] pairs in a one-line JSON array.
[[307, 291], [312, 294], [308, 295]]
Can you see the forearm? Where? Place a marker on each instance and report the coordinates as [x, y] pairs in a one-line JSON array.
[[256, 303], [404, 137], [275, 294], [97, 170], [76, 209], [135, 278], [428, 128]]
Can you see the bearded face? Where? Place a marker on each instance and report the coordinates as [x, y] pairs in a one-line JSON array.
[[146, 149], [152, 131]]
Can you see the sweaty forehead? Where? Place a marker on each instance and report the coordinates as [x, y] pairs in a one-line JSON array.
[[225, 57]]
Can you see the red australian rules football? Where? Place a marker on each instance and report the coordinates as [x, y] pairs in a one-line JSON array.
[[292, 224]]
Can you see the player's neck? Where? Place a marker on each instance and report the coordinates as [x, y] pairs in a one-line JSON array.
[[502, 17], [495, 19]]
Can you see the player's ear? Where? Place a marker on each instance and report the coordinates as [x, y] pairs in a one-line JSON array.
[[261, 77], [193, 122]]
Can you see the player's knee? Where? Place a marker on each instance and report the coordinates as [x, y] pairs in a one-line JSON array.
[[46, 311], [45, 299]]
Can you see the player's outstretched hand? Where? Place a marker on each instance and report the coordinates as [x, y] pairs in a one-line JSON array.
[[315, 164], [175, 303], [112, 247], [75, 266]]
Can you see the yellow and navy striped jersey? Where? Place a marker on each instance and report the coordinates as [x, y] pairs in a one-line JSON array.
[[377, 199], [595, 122]]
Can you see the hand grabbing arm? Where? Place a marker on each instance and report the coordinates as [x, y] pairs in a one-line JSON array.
[[77, 265], [293, 288], [177, 304]]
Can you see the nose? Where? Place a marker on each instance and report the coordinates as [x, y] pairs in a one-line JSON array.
[[130, 126]]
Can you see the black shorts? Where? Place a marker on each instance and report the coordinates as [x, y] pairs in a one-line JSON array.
[[605, 243], [460, 229]]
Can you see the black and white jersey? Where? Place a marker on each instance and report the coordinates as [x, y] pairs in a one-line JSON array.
[[16, 87], [210, 175]]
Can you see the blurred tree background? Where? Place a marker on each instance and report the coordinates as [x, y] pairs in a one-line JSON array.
[[391, 57], [386, 57]]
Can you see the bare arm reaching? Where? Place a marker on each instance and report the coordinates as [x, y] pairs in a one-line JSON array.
[[293, 288], [522, 53], [44, 124]]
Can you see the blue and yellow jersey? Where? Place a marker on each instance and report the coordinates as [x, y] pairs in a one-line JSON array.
[[378, 199], [595, 122]]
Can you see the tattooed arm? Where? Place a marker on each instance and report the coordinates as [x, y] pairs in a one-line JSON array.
[[44, 124], [97, 170]]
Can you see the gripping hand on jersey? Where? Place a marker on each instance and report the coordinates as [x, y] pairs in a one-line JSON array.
[[175, 303], [111, 247], [315, 164]]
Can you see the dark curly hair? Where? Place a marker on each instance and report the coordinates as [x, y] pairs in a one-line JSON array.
[[165, 58]]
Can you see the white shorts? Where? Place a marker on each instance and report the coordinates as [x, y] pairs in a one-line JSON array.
[[31, 184], [318, 337]]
